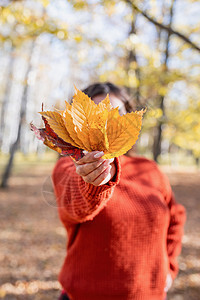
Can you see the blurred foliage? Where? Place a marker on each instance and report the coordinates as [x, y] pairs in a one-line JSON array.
[[24, 23], [184, 127]]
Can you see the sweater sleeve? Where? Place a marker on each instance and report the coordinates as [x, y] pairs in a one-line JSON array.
[[77, 200], [175, 229]]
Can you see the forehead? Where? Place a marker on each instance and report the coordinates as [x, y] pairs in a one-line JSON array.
[[115, 101]]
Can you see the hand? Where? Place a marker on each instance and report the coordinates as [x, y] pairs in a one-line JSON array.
[[95, 170], [168, 282]]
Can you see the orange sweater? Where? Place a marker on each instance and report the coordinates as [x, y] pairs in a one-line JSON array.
[[123, 236]]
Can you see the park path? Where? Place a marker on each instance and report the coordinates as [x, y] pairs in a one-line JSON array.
[[32, 238]]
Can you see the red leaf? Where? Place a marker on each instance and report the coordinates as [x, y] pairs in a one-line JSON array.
[[50, 139]]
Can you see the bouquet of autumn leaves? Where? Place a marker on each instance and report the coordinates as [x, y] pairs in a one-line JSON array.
[[84, 125]]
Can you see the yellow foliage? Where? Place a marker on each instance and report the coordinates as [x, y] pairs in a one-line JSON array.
[[70, 126], [89, 126], [78, 38], [45, 3], [56, 123], [162, 90]]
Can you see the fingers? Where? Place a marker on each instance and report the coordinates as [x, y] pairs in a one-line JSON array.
[[90, 157], [103, 178], [90, 177], [83, 169], [87, 168], [93, 168]]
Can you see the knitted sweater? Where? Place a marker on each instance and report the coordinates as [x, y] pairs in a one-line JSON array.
[[123, 236]]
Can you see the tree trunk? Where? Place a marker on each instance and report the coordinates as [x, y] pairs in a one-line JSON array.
[[15, 145], [132, 57], [6, 95], [197, 161], [158, 130]]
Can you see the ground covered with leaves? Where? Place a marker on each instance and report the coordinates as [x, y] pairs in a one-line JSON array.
[[33, 240]]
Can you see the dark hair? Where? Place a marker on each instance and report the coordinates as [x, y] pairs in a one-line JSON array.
[[105, 88]]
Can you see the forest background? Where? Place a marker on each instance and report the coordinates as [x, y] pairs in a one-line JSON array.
[[151, 47]]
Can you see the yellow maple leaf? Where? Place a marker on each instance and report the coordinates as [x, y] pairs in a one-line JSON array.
[[68, 121], [83, 112], [122, 132], [105, 104], [97, 132], [56, 123], [89, 126]]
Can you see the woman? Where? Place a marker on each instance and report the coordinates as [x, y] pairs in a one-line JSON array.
[[124, 226]]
